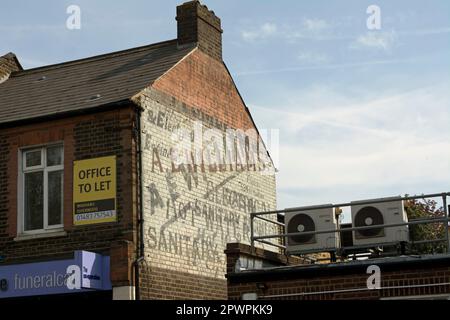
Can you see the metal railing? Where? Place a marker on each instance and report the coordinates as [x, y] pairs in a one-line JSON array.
[[264, 238]]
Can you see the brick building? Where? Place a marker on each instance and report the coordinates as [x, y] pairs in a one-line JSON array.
[[124, 175], [263, 275]]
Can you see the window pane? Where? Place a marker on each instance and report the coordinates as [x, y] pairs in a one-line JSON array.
[[54, 156], [55, 194], [34, 201], [33, 158]]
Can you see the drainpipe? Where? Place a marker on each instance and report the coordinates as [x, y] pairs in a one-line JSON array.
[[140, 241]]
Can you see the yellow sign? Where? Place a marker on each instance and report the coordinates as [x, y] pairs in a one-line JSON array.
[[94, 191]]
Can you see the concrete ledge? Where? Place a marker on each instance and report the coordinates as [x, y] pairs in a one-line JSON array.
[[48, 234]]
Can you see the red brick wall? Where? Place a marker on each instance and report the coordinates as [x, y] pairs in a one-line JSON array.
[[204, 83], [285, 283], [408, 277], [161, 283], [86, 136]]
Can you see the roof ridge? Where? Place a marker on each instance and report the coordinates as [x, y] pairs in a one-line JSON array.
[[92, 58]]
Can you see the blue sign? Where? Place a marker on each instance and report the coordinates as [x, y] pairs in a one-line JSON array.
[[88, 271]]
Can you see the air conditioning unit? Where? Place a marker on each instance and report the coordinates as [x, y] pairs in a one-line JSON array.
[[381, 213], [305, 219]]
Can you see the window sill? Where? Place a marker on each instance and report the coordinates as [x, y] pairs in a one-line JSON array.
[[45, 234]]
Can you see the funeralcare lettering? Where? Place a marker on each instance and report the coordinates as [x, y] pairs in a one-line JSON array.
[[39, 281]]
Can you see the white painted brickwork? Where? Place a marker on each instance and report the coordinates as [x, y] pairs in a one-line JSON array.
[[189, 217]]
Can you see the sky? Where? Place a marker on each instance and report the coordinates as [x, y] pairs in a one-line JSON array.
[[361, 113]]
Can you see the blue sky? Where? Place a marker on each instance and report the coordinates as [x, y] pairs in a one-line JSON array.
[[361, 113]]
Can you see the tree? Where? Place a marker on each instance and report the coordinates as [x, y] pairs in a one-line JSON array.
[[426, 209]]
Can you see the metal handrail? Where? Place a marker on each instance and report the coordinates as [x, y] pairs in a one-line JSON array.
[[378, 226], [257, 215], [271, 221], [348, 204]]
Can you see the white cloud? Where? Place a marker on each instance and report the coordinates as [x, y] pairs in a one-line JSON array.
[[375, 40], [357, 144], [326, 66], [269, 28], [266, 30], [426, 32], [315, 24], [308, 29]]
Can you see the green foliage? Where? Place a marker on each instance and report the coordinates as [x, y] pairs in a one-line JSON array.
[[426, 209]]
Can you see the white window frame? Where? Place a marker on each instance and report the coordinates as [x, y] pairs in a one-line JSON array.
[[21, 188]]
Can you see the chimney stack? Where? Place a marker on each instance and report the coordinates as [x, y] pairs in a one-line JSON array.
[[8, 64], [197, 24]]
